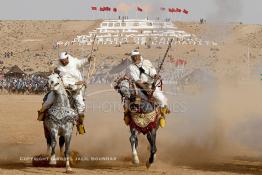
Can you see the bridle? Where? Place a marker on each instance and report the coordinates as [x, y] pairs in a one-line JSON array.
[[131, 85]]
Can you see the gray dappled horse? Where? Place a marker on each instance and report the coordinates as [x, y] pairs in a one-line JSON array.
[[59, 121], [144, 116]]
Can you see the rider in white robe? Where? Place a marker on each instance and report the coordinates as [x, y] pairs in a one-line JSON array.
[[69, 68], [143, 72]]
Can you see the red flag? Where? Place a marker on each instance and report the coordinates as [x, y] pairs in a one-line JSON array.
[[162, 8], [93, 8], [114, 9], [172, 10], [139, 9], [185, 11], [180, 62], [178, 10], [107, 8]]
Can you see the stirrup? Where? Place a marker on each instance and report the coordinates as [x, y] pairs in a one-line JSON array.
[[126, 119], [164, 111], [81, 129], [162, 122]]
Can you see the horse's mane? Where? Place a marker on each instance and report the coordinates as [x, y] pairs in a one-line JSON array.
[[127, 89]]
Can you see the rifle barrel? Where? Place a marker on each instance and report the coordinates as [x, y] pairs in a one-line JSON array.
[[163, 60]]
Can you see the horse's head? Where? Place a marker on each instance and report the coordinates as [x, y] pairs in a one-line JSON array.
[[124, 87], [127, 89], [54, 82]]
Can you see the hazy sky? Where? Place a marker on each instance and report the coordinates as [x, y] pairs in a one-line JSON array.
[[247, 11]]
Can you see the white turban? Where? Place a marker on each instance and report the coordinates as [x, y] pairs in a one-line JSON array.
[[63, 55], [134, 53]]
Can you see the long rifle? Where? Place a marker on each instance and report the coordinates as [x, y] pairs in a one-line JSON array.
[[160, 66], [93, 44], [90, 56], [89, 67], [164, 58]]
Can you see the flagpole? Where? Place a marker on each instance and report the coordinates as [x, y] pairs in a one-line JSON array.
[[248, 61]]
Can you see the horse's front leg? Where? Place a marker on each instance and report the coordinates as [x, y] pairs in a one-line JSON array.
[[48, 139], [151, 137], [53, 135], [68, 137], [134, 143]]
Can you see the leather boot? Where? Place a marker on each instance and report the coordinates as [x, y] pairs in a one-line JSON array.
[[126, 118], [80, 124], [163, 111]]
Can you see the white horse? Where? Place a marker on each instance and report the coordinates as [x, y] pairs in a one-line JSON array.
[[59, 121]]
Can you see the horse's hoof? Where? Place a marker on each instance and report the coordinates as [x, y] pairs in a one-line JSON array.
[[135, 160], [148, 165], [69, 171]]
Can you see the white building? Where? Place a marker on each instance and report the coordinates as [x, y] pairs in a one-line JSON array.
[[137, 31]]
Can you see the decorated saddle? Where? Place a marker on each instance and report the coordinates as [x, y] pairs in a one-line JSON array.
[[62, 115], [142, 113], [144, 122]]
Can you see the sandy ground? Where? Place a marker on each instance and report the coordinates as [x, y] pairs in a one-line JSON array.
[[185, 146]]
